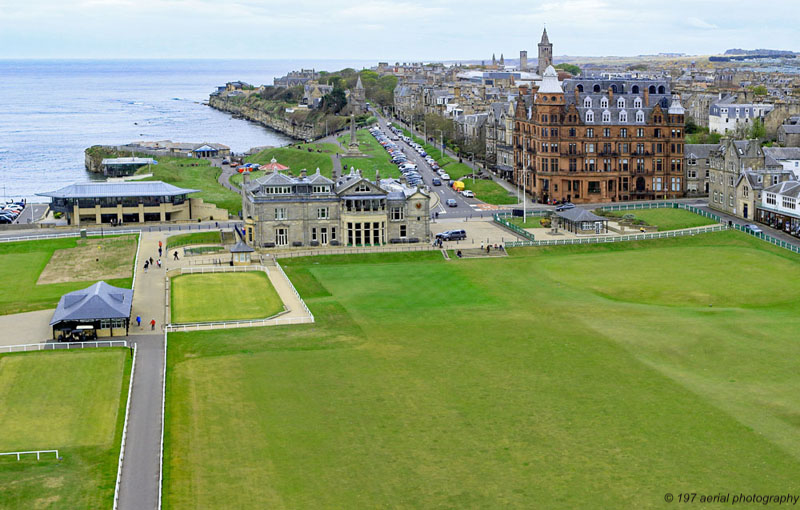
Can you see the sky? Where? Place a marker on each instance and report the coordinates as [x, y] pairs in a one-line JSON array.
[[401, 30]]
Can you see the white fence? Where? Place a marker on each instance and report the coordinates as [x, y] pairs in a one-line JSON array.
[[277, 321], [37, 452], [291, 285], [617, 239], [124, 430], [344, 250], [93, 233], [53, 346]]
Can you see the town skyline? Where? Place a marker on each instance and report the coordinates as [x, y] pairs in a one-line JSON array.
[[407, 30]]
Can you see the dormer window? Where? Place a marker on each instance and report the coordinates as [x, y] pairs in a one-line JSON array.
[[606, 116], [623, 116], [604, 102], [640, 117], [587, 103], [321, 189], [590, 116], [637, 103], [621, 102]]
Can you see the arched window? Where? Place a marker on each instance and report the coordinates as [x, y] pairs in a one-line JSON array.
[[604, 102], [621, 102], [623, 116], [637, 103], [640, 117], [614, 89], [590, 116], [580, 88], [662, 89], [587, 102], [606, 116], [652, 89], [635, 89], [596, 87]]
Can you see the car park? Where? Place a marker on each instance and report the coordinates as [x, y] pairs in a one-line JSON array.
[[451, 202], [467, 193]]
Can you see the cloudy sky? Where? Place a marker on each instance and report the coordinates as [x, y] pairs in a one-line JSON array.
[[388, 30]]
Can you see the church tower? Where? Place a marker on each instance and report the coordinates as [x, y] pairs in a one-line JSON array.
[[545, 54], [523, 60]]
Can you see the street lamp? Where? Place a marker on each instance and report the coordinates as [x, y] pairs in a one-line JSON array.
[[441, 140]]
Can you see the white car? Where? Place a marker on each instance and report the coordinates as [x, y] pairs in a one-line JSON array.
[[468, 194], [445, 177]]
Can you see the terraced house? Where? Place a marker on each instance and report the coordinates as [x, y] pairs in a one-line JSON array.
[[591, 139], [284, 211]]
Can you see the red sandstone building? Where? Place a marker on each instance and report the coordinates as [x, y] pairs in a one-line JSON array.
[[593, 139]]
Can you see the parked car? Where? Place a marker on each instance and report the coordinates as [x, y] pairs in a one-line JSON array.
[[565, 206], [753, 228], [467, 193], [452, 235], [445, 176], [451, 202]]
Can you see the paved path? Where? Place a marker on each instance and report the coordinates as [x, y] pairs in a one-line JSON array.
[[26, 328], [140, 470]]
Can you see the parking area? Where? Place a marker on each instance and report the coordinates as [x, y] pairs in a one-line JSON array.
[[478, 231]]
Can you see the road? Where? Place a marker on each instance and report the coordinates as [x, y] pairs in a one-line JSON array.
[[31, 213], [186, 227], [465, 205]]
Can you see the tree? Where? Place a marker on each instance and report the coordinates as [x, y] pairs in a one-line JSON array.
[[757, 129], [691, 126], [335, 101], [570, 68], [759, 90]]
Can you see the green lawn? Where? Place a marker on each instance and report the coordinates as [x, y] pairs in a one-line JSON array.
[[211, 237], [490, 192], [591, 376], [295, 159], [666, 219], [20, 266], [533, 221], [378, 159], [72, 401], [211, 297], [195, 174]]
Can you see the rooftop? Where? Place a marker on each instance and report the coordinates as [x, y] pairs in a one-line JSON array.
[[117, 189], [99, 301]]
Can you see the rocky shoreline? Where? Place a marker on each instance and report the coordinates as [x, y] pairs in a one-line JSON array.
[[282, 123]]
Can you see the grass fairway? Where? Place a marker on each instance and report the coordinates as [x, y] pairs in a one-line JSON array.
[[591, 376], [666, 219], [73, 401], [22, 263], [223, 296]]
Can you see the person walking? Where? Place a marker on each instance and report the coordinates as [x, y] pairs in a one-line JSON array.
[[159, 244], [159, 263], [146, 265], [139, 321], [151, 261], [175, 256], [159, 251], [152, 325]]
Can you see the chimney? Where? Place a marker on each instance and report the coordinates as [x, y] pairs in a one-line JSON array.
[[577, 97], [610, 96], [377, 177], [523, 90], [647, 97], [245, 182], [303, 173]]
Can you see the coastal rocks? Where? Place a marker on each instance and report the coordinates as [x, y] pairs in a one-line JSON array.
[[279, 121]]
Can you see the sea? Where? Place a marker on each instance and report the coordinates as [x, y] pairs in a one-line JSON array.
[[51, 110]]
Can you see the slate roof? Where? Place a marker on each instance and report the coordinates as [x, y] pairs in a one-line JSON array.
[[785, 189], [782, 153], [699, 150], [577, 214], [118, 189], [100, 301], [241, 247], [790, 128]]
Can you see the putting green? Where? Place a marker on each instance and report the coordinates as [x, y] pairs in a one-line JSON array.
[[223, 296]]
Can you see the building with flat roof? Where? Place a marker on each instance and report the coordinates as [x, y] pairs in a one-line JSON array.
[[118, 167], [129, 202]]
